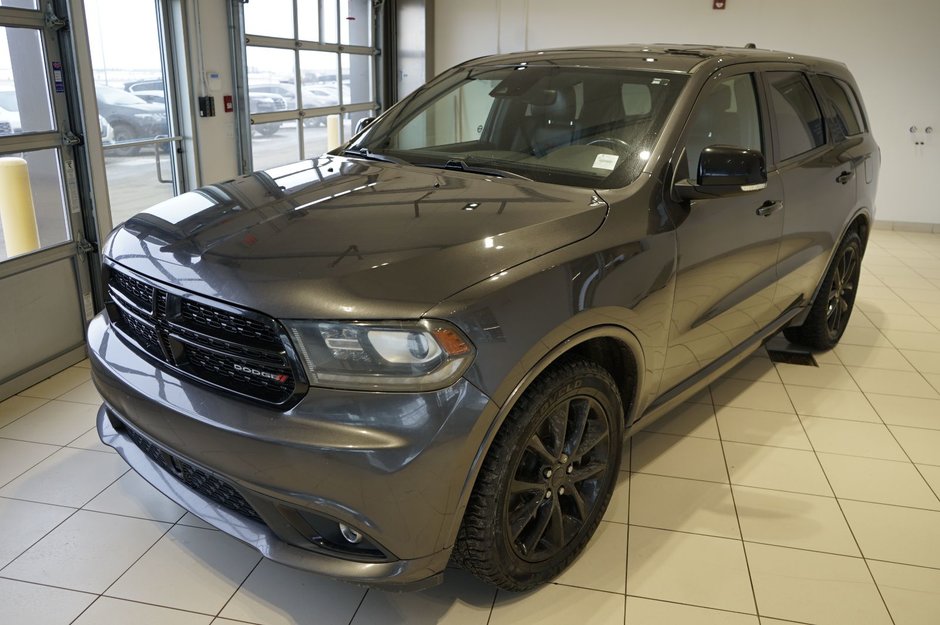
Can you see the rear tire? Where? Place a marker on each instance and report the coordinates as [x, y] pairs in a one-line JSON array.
[[547, 479], [829, 315]]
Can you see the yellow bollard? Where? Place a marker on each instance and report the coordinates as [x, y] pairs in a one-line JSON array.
[[332, 132], [17, 214]]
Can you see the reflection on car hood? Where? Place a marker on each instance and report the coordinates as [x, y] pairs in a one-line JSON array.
[[341, 238]]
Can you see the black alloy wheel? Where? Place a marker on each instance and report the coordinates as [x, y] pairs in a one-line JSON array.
[[829, 313], [546, 480]]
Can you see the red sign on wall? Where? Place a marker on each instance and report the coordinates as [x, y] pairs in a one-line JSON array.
[[719, 4]]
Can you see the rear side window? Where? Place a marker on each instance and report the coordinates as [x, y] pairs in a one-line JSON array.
[[847, 120], [799, 120]]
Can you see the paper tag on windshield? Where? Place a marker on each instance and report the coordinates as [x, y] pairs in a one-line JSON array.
[[606, 161]]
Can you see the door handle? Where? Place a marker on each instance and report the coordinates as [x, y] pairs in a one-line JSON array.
[[768, 208], [845, 176]]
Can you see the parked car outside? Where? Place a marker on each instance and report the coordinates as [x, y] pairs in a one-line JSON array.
[[9, 122], [428, 346], [131, 118]]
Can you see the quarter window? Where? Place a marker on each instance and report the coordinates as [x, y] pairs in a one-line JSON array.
[[799, 121], [846, 116]]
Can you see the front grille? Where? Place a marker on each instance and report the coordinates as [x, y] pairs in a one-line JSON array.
[[226, 347], [200, 481]]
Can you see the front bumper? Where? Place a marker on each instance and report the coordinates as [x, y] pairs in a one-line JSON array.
[[392, 465]]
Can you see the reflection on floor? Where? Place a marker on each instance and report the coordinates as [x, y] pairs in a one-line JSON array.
[[782, 493]]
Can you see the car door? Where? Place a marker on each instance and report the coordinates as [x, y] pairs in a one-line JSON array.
[[728, 245], [818, 176]]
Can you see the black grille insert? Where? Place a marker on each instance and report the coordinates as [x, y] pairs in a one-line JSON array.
[[223, 346], [200, 481]]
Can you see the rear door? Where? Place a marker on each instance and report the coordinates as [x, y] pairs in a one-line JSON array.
[[727, 250], [818, 176]]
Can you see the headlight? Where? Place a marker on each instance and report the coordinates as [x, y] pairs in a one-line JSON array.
[[387, 355]]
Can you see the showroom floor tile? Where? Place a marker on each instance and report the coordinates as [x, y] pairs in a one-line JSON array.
[[782, 494]]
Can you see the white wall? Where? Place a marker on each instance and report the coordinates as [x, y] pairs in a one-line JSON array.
[[892, 48]]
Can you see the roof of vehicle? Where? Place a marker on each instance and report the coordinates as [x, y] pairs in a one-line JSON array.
[[685, 58]]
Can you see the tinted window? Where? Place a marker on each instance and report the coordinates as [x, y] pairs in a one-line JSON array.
[[847, 120], [799, 120], [726, 114]]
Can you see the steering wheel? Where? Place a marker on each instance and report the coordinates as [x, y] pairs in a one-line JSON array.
[[617, 145]]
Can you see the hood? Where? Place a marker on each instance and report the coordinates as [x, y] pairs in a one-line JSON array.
[[337, 238]]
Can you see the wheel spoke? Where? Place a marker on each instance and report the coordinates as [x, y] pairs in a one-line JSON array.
[[589, 442], [522, 486], [850, 264], [543, 517], [558, 422], [578, 502], [578, 411], [535, 444], [522, 516], [586, 472], [556, 528]]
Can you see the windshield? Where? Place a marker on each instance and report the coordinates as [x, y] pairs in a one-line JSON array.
[[567, 125]]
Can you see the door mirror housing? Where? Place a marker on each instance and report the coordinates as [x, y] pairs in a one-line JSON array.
[[725, 170]]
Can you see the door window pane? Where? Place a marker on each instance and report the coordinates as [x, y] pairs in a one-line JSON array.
[[845, 122], [329, 15], [308, 20], [318, 74], [355, 22], [25, 105], [20, 4], [726, 115], [799, 120], [315, 136], [274, 143], [48, 200], [270, 18], [357, 78]]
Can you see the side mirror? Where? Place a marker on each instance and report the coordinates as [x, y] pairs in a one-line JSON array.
[[725, 170], [363, 123]]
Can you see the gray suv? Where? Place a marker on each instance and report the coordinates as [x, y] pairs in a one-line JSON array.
[[429, 345]]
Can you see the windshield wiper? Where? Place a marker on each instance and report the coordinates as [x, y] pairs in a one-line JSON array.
[[366, 153], [461, 165]]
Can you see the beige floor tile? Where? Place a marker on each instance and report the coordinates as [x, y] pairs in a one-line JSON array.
[[55, 423], [15, 407], [84, 393], [603, 564], [835, 404], [912, 593], [920, 341], [191, 520], [87, 552], [32, 604], [776, 468], [84, 364], [884, 307], [92, 442], [17, 457], [923, 446], [69, 477], [557, 605], [744, 394], [675, 456], [823, 376], [854, 438], [878, 481], [874, 357], [911, 411], [925, 362], [275, 594], [932, 475], [189, 569], [108, 611], [618, 510], [460, 600], [23, 523], [934, 379], [793, 520], [132, 495], [904, 323], [59, 384], [887, 382], [761, 427], [686, 420], [649, 612], [682, 505], [688, 568], [862, 332], [755, 369], [814, 587], [896, 534]]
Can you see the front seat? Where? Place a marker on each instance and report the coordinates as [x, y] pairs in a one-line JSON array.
[[552, 126]]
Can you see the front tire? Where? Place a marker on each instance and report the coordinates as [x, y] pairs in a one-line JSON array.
[[547, 479], [833, 305]]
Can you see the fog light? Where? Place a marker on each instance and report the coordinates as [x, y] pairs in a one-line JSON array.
[[351, 535]]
